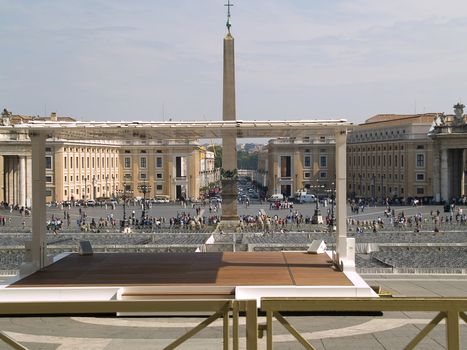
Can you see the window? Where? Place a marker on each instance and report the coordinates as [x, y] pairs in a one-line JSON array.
[[420, 160], [180, 166], [158, 162], [420, 147], [159, 176], [64, 162], [142, 176], [159, 187], [307, 175], [48, 178], [420, 190], [323, 174], [323, 161], [48, 162], [127, 162], [402, 160], [65, 179], [48, 192], [82, 162], [127, 177], [143, 162], [285, 164], [307, 161], [420, 177]]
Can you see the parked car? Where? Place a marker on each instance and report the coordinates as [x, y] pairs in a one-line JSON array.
[[161, 198], [215, 200], [276, 197]]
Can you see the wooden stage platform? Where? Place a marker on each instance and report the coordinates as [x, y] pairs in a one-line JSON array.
[[207, 269], [239, 275]]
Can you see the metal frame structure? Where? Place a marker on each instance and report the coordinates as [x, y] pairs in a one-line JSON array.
[[222, 308], [40, 131], [451, 309]]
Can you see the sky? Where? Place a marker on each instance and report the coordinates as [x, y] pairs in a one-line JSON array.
[[155, 60]]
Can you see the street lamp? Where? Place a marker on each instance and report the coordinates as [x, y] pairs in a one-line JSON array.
[[123, 193], [144, 188], [85, 185], [113, 185], [332, 207], [94, 187], [317, 215]]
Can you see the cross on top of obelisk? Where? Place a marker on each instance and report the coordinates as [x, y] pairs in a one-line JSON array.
[[229, 5]]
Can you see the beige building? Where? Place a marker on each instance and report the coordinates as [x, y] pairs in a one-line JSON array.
[[177, 169], [84, 170], [388, 156], [295, 164], [449, 135], [391, 156]]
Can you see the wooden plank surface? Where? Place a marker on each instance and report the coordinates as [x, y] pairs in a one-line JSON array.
[[176, 269]]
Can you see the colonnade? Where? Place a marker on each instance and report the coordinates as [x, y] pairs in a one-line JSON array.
[[14, 172], [450, 178]]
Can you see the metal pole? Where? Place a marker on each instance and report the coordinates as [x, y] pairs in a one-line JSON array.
[[124, 207]]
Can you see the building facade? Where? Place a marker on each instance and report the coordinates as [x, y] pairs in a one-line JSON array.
[[449, 135], [85, 170], [300, 164], [391, 156]]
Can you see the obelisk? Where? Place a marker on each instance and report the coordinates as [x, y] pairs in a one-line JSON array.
[[229, 141]]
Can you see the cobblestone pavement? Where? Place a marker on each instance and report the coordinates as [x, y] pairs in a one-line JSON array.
[[14, 221], [393, 330]]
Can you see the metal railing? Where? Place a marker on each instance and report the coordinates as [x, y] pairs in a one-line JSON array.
[[222, 308], [450, 309]]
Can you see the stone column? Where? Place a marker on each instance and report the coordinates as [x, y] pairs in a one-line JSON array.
[[229, 141], [22, 181], [464, 155], [11, 181], [28, 181], [2, 179], [436, 173], [345, 247], [444, 172], [39, 246]]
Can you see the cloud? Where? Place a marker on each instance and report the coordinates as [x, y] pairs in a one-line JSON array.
[[120, 58]]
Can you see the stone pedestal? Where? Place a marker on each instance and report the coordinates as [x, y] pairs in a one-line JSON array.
[[229, 200]]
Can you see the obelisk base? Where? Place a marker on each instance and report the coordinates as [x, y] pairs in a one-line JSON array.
[[229, 201]]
